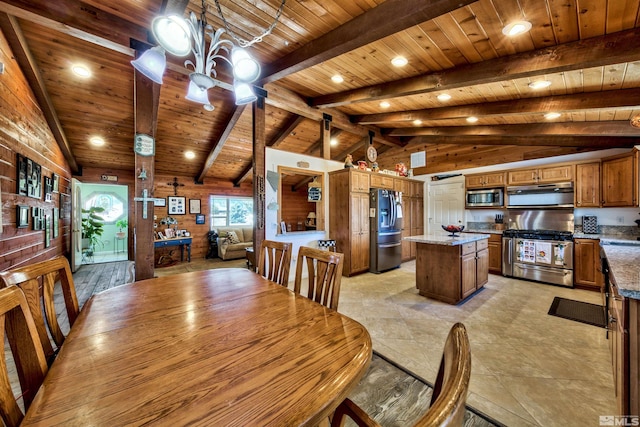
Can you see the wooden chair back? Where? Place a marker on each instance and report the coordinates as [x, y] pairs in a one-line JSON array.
[[449, 393], [16, 320], [324, 270], [37, 281], [275, 261]]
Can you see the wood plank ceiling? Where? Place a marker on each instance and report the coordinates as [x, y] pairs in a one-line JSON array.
[[589, 50]]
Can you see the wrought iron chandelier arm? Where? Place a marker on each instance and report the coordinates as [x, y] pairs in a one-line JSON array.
[[242, 42]]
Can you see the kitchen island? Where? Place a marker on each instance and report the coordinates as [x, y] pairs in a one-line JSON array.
[[450, 269]]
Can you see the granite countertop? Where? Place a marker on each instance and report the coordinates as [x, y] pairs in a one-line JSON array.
[[483, 230], [443, 238], [610, 239], [624, 263]]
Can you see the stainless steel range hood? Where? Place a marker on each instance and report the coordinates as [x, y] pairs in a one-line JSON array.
[[558, 195]]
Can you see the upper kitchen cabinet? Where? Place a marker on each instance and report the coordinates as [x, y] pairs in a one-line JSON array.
[[620, 180], [359, 181], [485, 180], [587, 185], [380, 180], [540, 175]]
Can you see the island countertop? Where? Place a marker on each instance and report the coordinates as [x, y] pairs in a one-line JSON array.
[[443, 238], [624, 262]]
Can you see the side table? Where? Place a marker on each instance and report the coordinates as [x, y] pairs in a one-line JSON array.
[[251, 259]]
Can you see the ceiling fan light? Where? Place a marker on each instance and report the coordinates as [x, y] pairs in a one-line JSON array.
[[197, 94], [152, 63], [173, 34], [245, 68], [244, 93]]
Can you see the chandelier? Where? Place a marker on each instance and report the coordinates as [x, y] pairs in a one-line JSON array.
[[181, 37]]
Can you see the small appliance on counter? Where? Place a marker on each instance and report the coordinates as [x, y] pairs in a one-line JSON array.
[[590, 224]]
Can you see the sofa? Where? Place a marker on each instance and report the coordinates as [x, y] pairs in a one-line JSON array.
[[233, 241]]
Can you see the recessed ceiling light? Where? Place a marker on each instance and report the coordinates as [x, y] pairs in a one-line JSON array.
[[333, 141], [385, 104], [97, 141], [81, 71], [417, 122], [539, 84], [399, 61], [516, 28], [472, 119], [190, 154], [337, 78], [551, 116], [444, 97]]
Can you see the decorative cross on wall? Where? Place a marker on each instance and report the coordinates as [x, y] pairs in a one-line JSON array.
[[175, 185]]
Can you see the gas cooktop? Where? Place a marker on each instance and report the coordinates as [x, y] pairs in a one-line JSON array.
[[539, 234]]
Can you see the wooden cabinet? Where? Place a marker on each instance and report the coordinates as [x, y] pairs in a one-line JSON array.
[[485, 180], [620, 180], [495, 254], [451, 273], [587, 270], [359, 181], [380, 180], [587, 185], [540, 175], [619, 347], [349, 218]]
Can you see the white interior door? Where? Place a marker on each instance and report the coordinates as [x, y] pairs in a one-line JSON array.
[[76, 225], [445, 204]]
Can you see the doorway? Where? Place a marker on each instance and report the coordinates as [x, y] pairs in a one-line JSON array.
[[445, 203], [112, 244]]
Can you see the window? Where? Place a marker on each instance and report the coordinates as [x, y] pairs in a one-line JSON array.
[[226, 211]]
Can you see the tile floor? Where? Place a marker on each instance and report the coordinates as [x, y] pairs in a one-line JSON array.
[[528, 368]]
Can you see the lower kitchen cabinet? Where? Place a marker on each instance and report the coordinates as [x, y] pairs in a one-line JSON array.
[[587, 271]]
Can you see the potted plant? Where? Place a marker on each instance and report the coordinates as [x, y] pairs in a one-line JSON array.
[[92, 227], [121, 224]]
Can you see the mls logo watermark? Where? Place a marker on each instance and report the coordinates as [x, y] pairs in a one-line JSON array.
[[619, 420]]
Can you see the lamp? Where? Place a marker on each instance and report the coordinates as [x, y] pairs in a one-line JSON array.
[[180, 36], [311, 219]]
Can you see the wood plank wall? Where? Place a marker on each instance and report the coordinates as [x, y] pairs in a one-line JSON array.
[[295, 207], [24, 130], [161, 189]]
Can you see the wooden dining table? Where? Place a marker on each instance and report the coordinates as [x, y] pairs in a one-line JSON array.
[[222, 347]]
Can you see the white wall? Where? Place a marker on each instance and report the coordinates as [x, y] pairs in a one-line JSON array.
[[275, 158]]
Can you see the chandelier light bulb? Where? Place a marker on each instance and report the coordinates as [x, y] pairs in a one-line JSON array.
[[173, 34], [244, 93], [197, 94], [245, 68]]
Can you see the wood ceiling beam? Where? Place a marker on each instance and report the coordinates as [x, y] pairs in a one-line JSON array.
[[616, 48], [79, 20], [217, 148], [611, 128], [622, 98], [601, 142], [289, 126], [315, 147], [290, 101], [364, 29], [13, 33]]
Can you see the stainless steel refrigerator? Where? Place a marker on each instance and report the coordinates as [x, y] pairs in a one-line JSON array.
[[386, 229]]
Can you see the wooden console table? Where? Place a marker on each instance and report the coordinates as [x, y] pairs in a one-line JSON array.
[[177, 241]]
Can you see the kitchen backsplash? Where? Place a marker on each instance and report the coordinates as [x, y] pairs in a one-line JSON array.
[[608, 230]]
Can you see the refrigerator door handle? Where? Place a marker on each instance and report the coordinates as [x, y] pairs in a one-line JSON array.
[[392, 208], [390, 245]]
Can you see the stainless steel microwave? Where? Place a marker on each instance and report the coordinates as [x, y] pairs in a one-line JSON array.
[[485, 197]]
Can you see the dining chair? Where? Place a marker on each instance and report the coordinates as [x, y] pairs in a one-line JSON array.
[[450, 390], [324, 270], [28, 357], [37, 281], [275, 260]]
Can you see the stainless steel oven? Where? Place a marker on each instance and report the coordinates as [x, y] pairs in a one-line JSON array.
[[532, 250], [539, 257]]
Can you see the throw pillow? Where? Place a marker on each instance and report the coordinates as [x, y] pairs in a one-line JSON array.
[[233, 237]]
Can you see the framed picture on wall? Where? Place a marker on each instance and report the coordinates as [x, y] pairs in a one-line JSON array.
[[200, 219], [160, 202], [177, 205], [56, 222], [47, 231], [22, 216], [194, 206], [21, 178], [56, 182]]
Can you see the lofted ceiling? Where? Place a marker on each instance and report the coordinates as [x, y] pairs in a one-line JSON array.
[[588, 49]]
